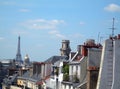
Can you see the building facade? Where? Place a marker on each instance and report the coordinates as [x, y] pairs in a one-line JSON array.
[[83, 65]]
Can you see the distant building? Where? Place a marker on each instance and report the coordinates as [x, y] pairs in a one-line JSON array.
[[7, 63], [18, 55], [65, 50], [6, 73], [35, 77], [26, 60]]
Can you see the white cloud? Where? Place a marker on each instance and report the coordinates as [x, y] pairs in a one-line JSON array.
[[76, 35], [57, 34], [24, 10], [41, 24], [60, 36], [53, 32], [56, 22], [112, 8]]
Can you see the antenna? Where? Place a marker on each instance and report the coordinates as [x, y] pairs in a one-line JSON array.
[[98, 37], [113, 28], [101, 39]]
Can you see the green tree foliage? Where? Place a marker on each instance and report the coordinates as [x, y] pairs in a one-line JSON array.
[[66, 72], [65, 69], [66, 77]]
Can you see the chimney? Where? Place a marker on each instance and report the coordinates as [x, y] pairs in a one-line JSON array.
[[79, 49], [118, 36], [84, 50], [90, 42]]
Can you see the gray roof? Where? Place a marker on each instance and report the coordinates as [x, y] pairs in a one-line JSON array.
[[10, 80], [54, 59], [34, 77], [94, 57], [3, 73]]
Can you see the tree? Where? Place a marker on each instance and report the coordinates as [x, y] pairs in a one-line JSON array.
[[66, 72]]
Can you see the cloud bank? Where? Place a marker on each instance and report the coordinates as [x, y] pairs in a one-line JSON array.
[[57, 34], [112, 8], [24, 10], [42, 24]]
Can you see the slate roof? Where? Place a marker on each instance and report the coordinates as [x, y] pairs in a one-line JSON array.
[[33, 78], [54, 59], [10, 80], [94, 57], [3, 73]]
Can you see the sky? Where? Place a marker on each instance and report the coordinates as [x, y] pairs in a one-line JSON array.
[[43, 24]]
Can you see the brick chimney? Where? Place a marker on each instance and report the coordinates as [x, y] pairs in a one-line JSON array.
[[84, 50], [118, 36]]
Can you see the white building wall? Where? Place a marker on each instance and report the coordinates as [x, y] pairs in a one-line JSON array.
[[67, 86], [60, 77], [34, 86], [42, 70], [29, 84], [78, 72], [70, 69], [63, 86], [52, 83], [15, 87], [71, 87], [74, 69]]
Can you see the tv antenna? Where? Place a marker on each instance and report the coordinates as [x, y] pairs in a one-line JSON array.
[[113, 28]]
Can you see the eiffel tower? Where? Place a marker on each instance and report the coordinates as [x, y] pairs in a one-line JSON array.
[[18, 55]]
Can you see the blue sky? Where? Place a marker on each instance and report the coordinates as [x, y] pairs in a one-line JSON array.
[[43, 24]]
